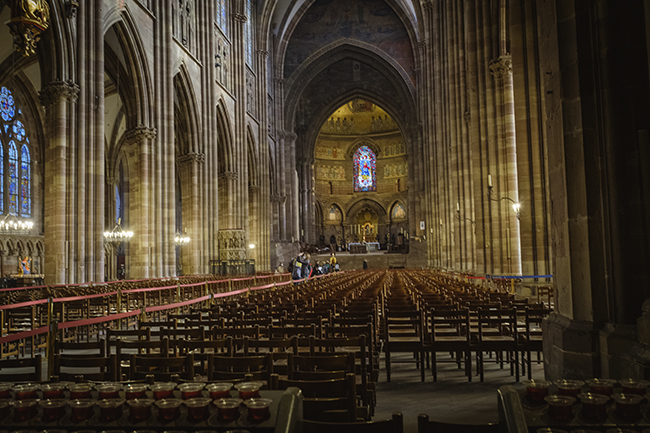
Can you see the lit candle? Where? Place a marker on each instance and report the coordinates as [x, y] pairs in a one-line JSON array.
[[457, 207], [440, 221], [489, 181]]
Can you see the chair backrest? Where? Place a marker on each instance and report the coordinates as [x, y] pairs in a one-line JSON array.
[[86, 369], [427, 426], [240, 367], [125, 348], [302, 366], [162, 368], [83, 349], [394, 425], [13, 370], [503, 321]]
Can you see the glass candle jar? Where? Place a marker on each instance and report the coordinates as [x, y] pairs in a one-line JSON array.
[[81, 409], [601, 386], [168, 409], [198, 408], [594, 407], [163, 390], [228, 409], [53, 410], [191, 390], [570, 388], [5, 390], [110, 409], [24, 410], [249, 390], [628, 407], [258, 409], [559, 407], [4, 409], [536, 390], [135, 390], [140, 409], [80, 391], [53, 391], [25, 392], [107, 391], [219, 390], [634, 386]]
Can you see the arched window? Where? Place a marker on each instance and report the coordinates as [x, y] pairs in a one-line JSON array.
[[16, 175], [249, 33], [365, 170]]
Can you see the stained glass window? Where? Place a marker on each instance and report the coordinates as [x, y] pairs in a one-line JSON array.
[[222, 16], [365, 170], [13, 179], [25, 176], [15, 159], [249, 33]]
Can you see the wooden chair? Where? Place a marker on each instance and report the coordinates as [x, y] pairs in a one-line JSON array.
[[91, 349], [240, 368], [450, 333], [112, 335], [162, 368], [332, 399], [497, 332], [325, 366], [404, 332], [81, 369], [394, 425], [427, 426], [278, 348], [532, 338], [201, 349], [16, 370]]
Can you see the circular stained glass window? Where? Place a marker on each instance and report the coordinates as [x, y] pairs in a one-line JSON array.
[[7, 109]]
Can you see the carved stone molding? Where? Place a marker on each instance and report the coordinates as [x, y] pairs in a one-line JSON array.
[[291, 136], [254, 189], [228, 175], [279, 81], [139, 134], [240, 17], [279, 198], [468, 117], [501, 67], [232, 244], [263, 53], [191, 157], [58, 91], [112, 180]]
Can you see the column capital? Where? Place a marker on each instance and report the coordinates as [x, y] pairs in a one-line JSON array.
[[139, 134], [279, 198], [58, 91], [227, 175], [191, 157], [263, 53], [279, 81], [254, 188], [111, 180], [501, 67]]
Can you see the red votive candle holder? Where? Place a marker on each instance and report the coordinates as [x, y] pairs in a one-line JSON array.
[[168, 409], [559, 407], [53, 410], [25, 392], [108, 391], [594, 407], [569, 388], [5, 390], [536, 390], [228, 409], [135, 390], [81, 409], [634, 386], [219, 390], [163, 390], [110, 409], [601, 386], [80, 391], [191, 390], [249, 390], [198, 409], [628, 407], [258, 409], [24, 410], [52, 391], [140, 409]]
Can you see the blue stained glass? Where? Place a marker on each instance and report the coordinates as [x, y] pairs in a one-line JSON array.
[[7, 109], [249, 33], [19, 130], [222, 15], [118, 204], [25, 180], [2, 172], [13, 179], [365, 170]]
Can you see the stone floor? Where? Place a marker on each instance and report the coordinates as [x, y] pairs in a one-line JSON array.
[[451, 399]]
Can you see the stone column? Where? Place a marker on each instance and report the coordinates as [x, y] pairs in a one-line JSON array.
[[255, 223], [505, 182], [57, 98], [139, 140], [189, 167], [291, 209]]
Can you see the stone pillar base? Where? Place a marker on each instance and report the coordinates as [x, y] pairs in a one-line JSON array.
[[571, 349]]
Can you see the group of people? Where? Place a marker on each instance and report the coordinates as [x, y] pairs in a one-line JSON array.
[[301, 267]]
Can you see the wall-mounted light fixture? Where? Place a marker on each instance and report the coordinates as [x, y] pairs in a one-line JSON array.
[[516, 206]]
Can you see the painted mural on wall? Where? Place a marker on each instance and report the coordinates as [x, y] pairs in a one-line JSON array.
[[335, 214], [398, 212], [394, 148], [330, 172], [371, 21], [326, 152]]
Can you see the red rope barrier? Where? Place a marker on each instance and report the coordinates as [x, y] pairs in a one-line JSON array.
[[23, 335]]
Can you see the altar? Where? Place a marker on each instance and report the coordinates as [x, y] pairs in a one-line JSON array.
[[372, 246], [362, 248]]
